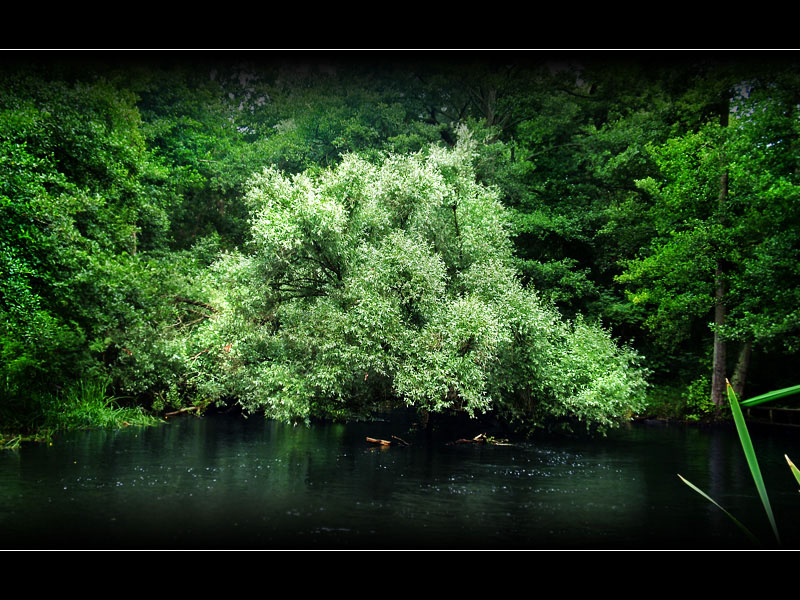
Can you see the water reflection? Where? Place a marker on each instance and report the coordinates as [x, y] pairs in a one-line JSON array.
[[229, 482]]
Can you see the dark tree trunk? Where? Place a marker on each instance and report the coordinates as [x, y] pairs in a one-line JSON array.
[[740, 372], [718, 391], [718, 377]]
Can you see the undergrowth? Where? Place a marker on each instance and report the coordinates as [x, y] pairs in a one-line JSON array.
[[85, 404]]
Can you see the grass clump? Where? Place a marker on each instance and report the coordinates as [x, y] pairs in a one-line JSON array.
[[87, 405]]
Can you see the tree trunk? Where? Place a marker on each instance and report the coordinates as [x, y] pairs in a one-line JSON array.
[[740, 372], [718, 391], [718, 377]]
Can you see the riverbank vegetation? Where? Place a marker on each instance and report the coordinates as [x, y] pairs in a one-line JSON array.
[[562, 240]]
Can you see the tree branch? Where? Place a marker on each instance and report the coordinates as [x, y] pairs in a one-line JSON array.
[[177, 299]]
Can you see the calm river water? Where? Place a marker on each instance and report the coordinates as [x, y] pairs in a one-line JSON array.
[[229, 482]]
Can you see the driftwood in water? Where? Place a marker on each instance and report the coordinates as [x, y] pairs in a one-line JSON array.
[[379, 442], [481, 439], [478, 439], [183, 410], [399, 441]]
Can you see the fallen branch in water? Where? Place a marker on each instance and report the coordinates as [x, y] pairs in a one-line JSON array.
[[379, 442], [482, 439], [478, 439], [183, 410]]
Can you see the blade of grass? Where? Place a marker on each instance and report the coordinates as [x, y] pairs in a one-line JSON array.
[[747, 532], [750, 455], [794, 469], [774, 395]]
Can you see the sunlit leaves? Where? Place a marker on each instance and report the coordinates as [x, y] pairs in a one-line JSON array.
[[394, 280], [748, 229]]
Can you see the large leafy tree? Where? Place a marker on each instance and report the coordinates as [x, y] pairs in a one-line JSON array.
[[725, 217], [394, 280], [85, 228]]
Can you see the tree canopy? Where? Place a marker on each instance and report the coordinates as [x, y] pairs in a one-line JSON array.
[[370, 282], [317, 237]]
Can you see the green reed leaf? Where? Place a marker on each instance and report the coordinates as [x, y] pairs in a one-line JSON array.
[[750, 455], [769, 396], [747, 532], [794, 469]]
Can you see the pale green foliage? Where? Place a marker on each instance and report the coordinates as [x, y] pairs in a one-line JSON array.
[[449, 364], [369, 283]]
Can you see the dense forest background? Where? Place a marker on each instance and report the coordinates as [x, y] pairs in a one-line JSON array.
[[571, 237]]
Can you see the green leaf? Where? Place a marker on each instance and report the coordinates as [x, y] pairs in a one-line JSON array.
[[747, 532], [794, 469], [750, 455], [774, 395]]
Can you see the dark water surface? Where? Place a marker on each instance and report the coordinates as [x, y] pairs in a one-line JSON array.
[[228, 482]]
